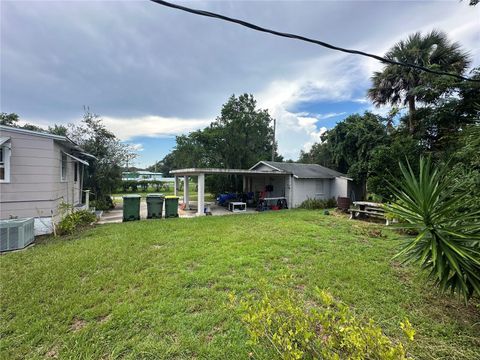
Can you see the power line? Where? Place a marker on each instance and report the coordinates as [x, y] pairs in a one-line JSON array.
[[303, 38]]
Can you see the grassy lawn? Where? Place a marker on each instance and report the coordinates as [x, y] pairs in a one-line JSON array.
[[159, 288]]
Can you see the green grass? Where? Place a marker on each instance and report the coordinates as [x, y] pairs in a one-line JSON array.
[[159, 288]]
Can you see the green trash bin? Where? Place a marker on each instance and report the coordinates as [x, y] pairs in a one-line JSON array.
[[131, 207], [171, 206], [154, 206]]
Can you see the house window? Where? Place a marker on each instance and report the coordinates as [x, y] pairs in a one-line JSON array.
[[319, 187], [75, 172], [64, 167], [4, 164]]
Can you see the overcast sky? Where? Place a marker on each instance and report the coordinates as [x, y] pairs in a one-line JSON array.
[[153, 72]]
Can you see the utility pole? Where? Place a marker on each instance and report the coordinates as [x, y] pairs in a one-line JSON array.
[[273, 143]]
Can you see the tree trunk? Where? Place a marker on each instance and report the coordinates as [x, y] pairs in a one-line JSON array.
[[411, 113]]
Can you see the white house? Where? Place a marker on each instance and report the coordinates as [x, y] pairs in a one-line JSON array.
[[39, 171], [293, 181], [299, 182]]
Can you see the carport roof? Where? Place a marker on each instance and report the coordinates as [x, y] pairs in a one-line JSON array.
[[197, 171]]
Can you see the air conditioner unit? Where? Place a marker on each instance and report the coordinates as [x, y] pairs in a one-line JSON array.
[[16, 233]]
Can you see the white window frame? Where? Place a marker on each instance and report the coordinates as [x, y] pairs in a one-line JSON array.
[[319, 188], [6, 163], [63, 177]]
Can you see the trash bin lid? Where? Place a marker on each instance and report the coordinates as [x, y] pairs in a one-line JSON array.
[[131, 196], [155, 195], [172, 197]]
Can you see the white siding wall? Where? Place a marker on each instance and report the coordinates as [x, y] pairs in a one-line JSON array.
[[311, 189], [67, 190], [35, 188], [263, 167], [340, 187], [29, 192]]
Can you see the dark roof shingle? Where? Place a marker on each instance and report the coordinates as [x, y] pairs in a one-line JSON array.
[[305, 171]]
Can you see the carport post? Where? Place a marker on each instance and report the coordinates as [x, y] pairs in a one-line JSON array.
[[186, 193], [201, 195], [175, 186]]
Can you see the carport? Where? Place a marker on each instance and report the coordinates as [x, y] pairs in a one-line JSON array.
[[248, 175]]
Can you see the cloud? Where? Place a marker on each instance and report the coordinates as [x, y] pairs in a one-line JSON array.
[[137, 147], [153, 71], [153, 126]]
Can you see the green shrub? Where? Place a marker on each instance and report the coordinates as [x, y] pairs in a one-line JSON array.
[[105, 203], [74, 220], [315, 204], [143, 185], [448, 242], [157, 184], [331, 203], [283, 325]]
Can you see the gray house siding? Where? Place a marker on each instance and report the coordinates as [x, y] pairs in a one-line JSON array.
[[308, 181], [29, 191], [35, 188]]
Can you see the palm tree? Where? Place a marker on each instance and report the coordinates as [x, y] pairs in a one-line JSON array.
[[403, 85]]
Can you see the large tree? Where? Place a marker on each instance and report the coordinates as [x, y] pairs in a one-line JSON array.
[[404, 85], [348, 146], [104, 174], [241, 136]]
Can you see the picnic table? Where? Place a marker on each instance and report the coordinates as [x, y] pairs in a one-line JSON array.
[[363, 209]]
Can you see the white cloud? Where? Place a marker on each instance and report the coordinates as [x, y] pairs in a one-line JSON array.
[[152, 126], [334, 77], [137, 147], [164, 73]]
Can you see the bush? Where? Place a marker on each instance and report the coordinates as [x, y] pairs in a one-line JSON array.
[[105, 203], [331, 203], [74, 220], [157, 184], [315, 204], [282, 325], [143, 185], [432, 204]]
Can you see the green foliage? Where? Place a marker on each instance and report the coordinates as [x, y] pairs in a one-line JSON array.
[[104, 173], [240, 137], [132, 185], [403, 85], [103, 203], [315, 204], [61, 130], [465, 165], [143, 185], [9, 119], [285, 325], [448, 240], [13, 119], [383, 166], [74, 220], [348, 146]]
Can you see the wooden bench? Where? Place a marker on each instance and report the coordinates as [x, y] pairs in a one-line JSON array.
[[369, 209]]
